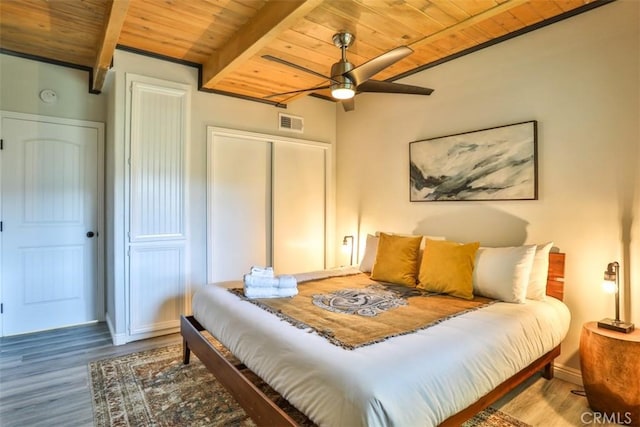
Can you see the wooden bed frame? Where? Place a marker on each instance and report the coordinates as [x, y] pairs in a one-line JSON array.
[[265, 412]]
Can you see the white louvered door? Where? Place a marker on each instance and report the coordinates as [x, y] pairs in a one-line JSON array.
[[157, 236]]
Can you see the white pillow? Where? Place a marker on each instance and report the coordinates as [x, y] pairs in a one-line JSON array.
[[503, 273], [370, 251], [537, 288]]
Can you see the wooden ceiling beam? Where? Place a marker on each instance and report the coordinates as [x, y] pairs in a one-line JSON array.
[[114, 19], [274, 18], [472, 20]]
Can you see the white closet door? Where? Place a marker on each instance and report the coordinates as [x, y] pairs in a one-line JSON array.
[[157, 286], [299, 194], [157, 278], [158, 132], [240, 206]]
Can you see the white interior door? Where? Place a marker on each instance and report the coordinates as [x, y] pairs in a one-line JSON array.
[[240, 206], [49, 205]]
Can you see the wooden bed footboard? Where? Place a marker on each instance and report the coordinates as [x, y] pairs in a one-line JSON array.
[[262, 410], [545, 363], [265, 412]]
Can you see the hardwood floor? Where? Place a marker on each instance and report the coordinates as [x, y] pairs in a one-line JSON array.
[[44, 377], [544, 403], [44, 381]]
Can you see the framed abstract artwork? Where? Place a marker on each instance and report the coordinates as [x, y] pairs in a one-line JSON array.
[[498, 163]]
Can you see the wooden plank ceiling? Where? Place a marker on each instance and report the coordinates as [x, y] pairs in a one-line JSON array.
[[227, 38]]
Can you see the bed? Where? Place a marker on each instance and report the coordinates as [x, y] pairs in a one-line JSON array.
[[440, 375]]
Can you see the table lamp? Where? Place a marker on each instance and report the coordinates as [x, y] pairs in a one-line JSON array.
[[611, 284]]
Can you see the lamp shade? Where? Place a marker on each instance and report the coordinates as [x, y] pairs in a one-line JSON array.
[[609, 287]]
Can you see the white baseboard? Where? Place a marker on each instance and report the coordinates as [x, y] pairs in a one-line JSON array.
[[153, 333], [117, 339], [571, 375]]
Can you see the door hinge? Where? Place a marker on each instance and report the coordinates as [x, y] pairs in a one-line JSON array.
[[1, 144], [0, 226], [1, 308]]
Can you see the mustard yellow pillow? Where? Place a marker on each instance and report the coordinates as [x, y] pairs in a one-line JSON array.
[[447, 267], [397, 259]]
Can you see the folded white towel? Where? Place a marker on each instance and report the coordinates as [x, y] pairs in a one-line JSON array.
[[261, 271], [250, 292], [270, 287], [286, 281], [260, 282], [285, 293]]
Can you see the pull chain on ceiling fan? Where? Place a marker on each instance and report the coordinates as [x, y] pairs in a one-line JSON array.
[[346, 80]]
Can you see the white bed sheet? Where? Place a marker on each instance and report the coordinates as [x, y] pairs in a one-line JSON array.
[[419, 379]]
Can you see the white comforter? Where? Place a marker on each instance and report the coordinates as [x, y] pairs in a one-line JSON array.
[[419, 379]]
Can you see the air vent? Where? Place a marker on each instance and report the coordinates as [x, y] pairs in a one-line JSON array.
[[290, 123]]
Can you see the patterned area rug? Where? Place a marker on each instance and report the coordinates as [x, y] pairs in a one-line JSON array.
[[154, 388]]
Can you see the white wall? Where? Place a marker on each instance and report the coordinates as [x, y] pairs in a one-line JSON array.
[[580, 78], [207, 110], [21, 81]]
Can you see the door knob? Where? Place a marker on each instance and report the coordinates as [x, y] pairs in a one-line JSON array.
[[90, 234]]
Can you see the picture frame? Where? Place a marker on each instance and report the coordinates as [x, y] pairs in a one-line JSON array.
[[498, 163]]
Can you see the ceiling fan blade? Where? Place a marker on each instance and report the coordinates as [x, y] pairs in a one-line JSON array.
[[348, 104], [389, 87], [297, 67], [372, 67], [311, 89]]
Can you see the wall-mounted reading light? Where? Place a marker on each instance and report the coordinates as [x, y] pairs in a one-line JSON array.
[[347, 245]]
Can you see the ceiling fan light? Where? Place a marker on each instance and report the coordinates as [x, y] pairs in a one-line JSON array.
[[340, 92]]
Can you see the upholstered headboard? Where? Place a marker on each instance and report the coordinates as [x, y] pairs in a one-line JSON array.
[[555, 280]]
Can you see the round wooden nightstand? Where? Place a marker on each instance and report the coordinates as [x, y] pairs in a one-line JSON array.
[[610, 363]]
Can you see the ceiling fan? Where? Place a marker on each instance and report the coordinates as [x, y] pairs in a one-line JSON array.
[[346, 80]]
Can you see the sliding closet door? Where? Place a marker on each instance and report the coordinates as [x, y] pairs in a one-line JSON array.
[[240, 206], [266, 203], [299, 197]]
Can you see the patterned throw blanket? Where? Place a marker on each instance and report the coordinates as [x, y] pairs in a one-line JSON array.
[[353, 311]]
